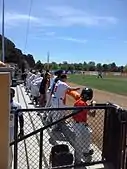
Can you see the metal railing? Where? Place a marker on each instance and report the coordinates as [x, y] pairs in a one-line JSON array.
[[106, 133]]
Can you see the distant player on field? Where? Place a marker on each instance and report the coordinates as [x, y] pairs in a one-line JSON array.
[[100, 75]]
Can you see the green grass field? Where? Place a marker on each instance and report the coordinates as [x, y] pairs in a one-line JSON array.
[[116, 85]]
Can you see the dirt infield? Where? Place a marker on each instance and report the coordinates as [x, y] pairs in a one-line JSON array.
[[103, 97], [97, 123]]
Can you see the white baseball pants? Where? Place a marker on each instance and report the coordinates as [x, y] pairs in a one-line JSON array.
[[56, 115], [34, 91], [48, 98], [82, 140]]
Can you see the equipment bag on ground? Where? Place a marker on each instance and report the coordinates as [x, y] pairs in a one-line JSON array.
[[60, 156]]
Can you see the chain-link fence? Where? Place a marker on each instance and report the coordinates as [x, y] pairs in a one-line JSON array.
[[53, 137]]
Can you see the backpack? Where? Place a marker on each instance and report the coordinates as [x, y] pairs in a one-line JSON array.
[[60, 155]]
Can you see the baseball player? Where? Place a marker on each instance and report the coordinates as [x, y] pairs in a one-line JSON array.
[[58, 97], [100, 75], [43, 89], [27, 81], [35, 86], [81, 128], [48, 94], [14, 106], [54, 80], [31, 78]]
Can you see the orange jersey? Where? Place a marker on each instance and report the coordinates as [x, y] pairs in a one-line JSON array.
[[82, 116], [74, 94]]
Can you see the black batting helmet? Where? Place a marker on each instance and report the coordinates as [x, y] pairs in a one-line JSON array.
[[87, 94]]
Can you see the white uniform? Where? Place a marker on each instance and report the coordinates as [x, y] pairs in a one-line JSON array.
[[36, 86], [48, 94], [52, 82], [14, 106], [59, 94], [57, 100], [27, 80], [82, 141], [31, 78]]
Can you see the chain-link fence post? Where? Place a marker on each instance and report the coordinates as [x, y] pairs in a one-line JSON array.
[[41, 149]]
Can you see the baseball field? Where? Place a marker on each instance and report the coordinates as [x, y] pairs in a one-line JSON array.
[[108, 89]]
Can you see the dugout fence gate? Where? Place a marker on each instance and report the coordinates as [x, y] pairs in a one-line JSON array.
[[108, 133]]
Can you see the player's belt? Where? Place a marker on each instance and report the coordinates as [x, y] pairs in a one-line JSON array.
[[81, 122], [58, 98]]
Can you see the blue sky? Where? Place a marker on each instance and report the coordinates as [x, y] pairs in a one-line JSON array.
[[72, 30]]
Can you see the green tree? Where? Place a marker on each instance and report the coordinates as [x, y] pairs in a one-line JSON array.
[[71, 67], [91, 66], [76, 66], [105, 67], [112, 67], [30, 60], [85, 66], [120, 69], [38, 65], [99, 67], [125, 68], [55, 66], [64, 65]]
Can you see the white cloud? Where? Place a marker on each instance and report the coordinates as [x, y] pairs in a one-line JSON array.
[[52, 35], [69, 16], [59, 16], [64, 11], [42, 34], [49, 33], [16, 19], [72, 39]]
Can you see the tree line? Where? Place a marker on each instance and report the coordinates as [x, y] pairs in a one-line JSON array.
[[15, 55], [90, 66]]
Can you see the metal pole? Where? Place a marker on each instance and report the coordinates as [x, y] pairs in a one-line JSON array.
[[3, 45], [48, 55]]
